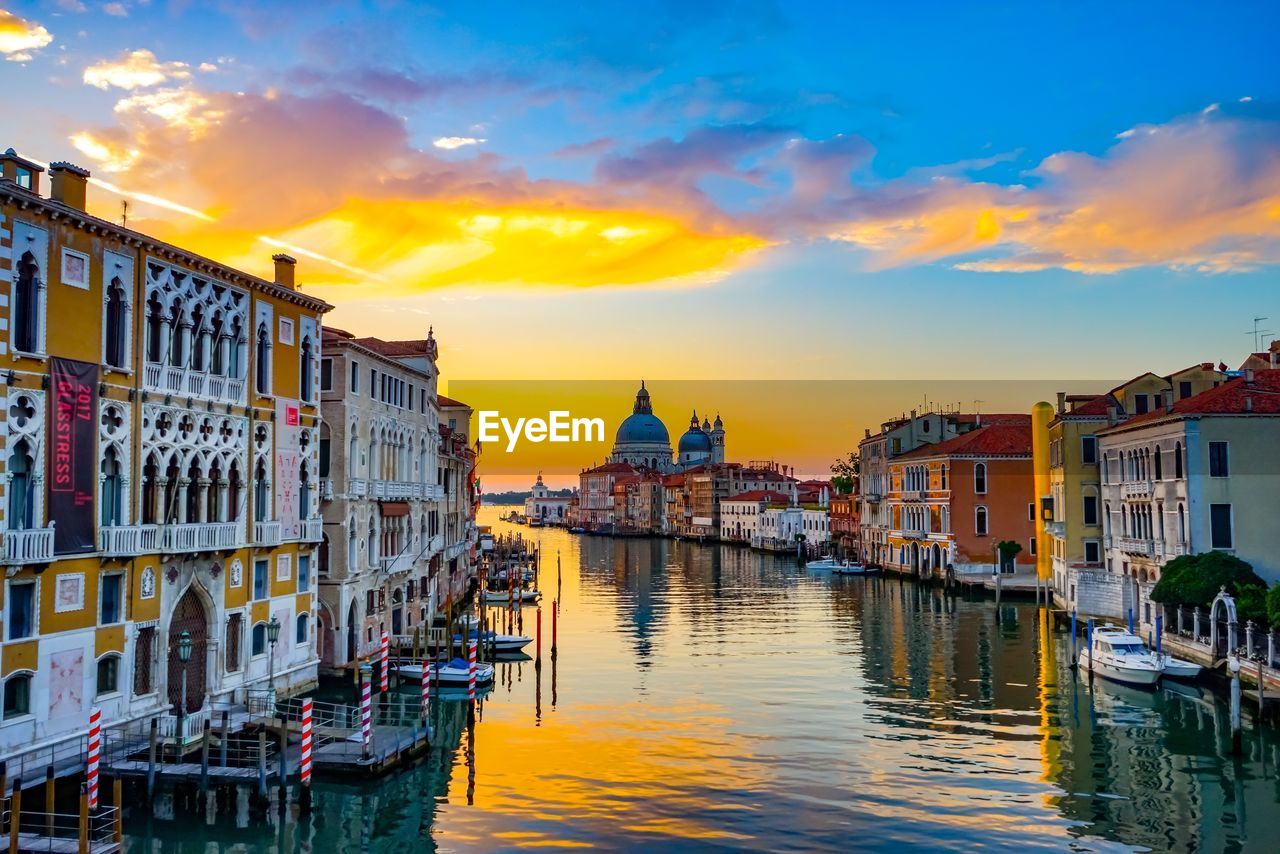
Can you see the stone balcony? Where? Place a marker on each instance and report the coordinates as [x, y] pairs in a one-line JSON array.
[[267, 534], [1135, 546], [1136, 489], [128, 540], [200, 537], [326, 489], [400, 563], [312, 530], [185, 382], [32, 545]]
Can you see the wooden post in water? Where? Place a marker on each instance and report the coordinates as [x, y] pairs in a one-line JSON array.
[[15, 813], [84, 818], [555, 609], [1233, 666], [538, 658], [151, 757], [262, 762], [117, 799], [226, 736], [204, 758], [48, 801]]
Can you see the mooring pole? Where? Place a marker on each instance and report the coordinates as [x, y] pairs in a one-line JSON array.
[[204, 758], [1233, 665], [151, 757]]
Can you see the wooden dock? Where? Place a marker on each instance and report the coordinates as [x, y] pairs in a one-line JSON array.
[[34, 842]]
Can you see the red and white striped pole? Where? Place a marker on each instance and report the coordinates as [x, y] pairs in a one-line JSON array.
[[366, 713], [95, 750], [385, 654], [426, 689], [471, 670], [304, 766]]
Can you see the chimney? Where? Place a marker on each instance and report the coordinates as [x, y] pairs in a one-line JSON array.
[[1248, 375], [285, 265], [1112, 415], [867, 433], [1168, 400], [1275, 353], [1062, 402], [1248, 403], [67, 184]]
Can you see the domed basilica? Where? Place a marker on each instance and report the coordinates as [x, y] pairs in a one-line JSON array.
[[642, 440]]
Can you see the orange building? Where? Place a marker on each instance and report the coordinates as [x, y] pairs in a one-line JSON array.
[[950, 504]]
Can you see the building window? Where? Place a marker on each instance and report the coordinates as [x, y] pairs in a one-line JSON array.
[[1092, 552], [233, 642], [143, 652], [373, 383], [22, 177], [20, 610], [1220, 526], [21, 495], [303, 629], [1184, 390], [260, 568], [111, 599], [17, 696], [1177, 461], [117, 326], [980, 521], [355, 377], [1031, 547], [1089, 450], [980, 478], [326, 374], [112, 489], [258, 644], [1140, 404], [108, 674], [261, 497], [26, 305], [304, 573], [306, 373], [1031, 511], [263, 356], [1218, 463], [1158, 456], [1091, 509]]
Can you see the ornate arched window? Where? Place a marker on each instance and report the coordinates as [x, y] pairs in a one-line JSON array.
[[304, 491], [306, 370], [155, 330], [116, 332], [26, 305], [261, 496], [21, 492], [263, 357], [112, 489], [980, 478]]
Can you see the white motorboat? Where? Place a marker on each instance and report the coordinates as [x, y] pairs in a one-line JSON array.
[[1117, 655], [498, 643], [448, 674], [839, 567], [502, 597], [1177, 668]]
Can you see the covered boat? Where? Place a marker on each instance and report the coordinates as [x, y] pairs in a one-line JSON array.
[[1115, 654], [452, 673]]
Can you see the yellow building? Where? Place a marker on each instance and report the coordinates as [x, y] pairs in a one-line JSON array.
[[159, 470]]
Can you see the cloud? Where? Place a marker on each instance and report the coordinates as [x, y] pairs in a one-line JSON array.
[[138, 69], [449, 143], [116, 10], [19, 38], [384, 211], [1200, 192]]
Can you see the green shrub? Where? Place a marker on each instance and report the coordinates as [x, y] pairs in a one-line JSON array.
[[1196, 579], [1273, 605]]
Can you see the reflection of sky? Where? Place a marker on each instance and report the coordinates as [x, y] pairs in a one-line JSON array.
[[714, 698]]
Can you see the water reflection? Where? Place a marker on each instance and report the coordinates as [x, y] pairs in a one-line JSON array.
[[714, 698]]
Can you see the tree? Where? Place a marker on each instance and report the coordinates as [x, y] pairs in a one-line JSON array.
[[1196, 579], [1009, 550], [1273, 605], [845, 471]]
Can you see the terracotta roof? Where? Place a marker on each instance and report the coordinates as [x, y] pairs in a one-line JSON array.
[[992, 440], [1096, 407], [608, 468], [394, 348], [449, 401], [1237, 396], [333, 333], [760, 495], [673, 480]]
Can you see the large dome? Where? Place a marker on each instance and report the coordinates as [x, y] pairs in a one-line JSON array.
[[695, 441], [642, 427]]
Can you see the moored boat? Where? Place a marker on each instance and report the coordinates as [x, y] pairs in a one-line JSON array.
[[502, 597], [499, 643], [839, 567], [1177, 668], [1115, 654], [453, 673]]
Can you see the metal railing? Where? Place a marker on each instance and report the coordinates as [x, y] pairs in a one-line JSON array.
[[56, 831], [30, 545]]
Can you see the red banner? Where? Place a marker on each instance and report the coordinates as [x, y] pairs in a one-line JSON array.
[[73, 463]]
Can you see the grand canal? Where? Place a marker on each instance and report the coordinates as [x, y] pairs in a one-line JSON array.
[[712, 698]]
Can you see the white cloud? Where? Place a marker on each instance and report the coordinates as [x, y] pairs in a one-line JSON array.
[[19, 38], [116, 10], [449, 143], [138, 69]]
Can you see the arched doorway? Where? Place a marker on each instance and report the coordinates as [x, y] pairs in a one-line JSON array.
[[324, 638], [915, 558], [189, 616], [936, 560]]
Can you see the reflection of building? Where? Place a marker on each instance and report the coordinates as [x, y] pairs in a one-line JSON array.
[[951, 503], [844, 523], [1193, 475], [545, 507], [384, 511], [160, 442]]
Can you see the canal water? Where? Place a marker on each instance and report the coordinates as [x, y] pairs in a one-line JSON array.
[[712, 698]]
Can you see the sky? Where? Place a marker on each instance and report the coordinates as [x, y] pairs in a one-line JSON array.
[[697, 190]]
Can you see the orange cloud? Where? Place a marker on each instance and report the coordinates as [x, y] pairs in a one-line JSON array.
[[19, 38], [134, 70], [1199, 193]]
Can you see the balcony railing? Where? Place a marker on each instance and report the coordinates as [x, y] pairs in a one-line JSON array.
[[171, 379], [1135, 545], [357, 488], [1136, 489], [400, 563], [326, 489], [200, 537], [128, 540], [267, 533], [871, 497], [1170, 549], [312, 530], [32, 545]]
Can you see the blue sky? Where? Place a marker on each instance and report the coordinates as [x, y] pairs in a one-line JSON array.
[[1004, 189]]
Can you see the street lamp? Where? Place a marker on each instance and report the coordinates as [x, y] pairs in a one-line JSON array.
[[273, 635], [184, 656]]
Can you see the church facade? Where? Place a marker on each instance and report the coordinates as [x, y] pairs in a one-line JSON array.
[[643, 442]]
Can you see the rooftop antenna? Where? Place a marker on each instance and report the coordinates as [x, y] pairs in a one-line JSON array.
[[1258, 334], [124, 213]]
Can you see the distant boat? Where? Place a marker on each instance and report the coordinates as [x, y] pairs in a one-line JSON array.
[[499, 643], [577, 530], [501, 597], [1115, 654], [840, 567], [454, 673]]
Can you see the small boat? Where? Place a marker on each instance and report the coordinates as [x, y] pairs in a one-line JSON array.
[[502, 597], [1117, 655], [499, 643], [577, 530], [450, 674], [839, 567], [1177, 668]]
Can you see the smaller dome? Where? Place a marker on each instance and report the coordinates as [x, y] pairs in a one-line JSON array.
[[695, 441]]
